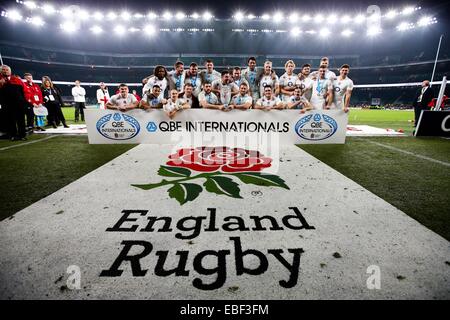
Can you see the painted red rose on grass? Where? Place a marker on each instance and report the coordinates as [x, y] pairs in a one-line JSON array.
[[225, 159]]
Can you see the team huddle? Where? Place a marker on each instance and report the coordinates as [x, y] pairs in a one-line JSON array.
[[252, 87]]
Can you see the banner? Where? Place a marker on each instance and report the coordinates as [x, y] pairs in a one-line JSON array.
[[214, 127], [434, 123]]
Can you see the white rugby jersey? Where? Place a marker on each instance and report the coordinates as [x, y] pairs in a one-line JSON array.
[[302, 99], [210, 98], [240, 100], [330, 75], [306, 85], [320, 89], [171, 106], [340, 87], [155, 81], [268, 103], [196, 83], [209, 77], [267, 81], [250, 76], [151, 100], [225, 90], [178, 80], [287, 81]]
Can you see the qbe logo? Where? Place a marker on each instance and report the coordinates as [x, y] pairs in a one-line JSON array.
[[152, 127], [316, 127], [118, 126]]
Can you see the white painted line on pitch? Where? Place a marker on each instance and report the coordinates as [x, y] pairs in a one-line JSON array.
[[27, 143], [411, 153]]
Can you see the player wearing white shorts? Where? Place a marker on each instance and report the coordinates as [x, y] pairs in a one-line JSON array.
[[269, 101], [288, 81], [298, 101], [268, 78], [192, 77], [251, 74], [176, 77], [209, 74], [173, 105], [304, 82], [242, 100], [343, 87], [330, 75], [159, 78], [322, 94], [224, 88]]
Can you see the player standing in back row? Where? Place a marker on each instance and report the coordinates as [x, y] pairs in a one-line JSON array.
[[343, 87], [287, 81]]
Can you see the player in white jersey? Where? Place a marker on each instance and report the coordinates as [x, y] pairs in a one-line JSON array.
[[192, 77], [268, 78], [159, 78], [251, 75], [123, 101], [152, 100], [209, 74], [224, 88], [304, 82], [288, 81], [173, 105], [208, 99], [269, 101], [242, 100], [237, 77], [322, 94], [343, 87], [330, 75], [298, 101], [176, 77]]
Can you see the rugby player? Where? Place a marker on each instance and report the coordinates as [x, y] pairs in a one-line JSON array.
[[173, 105], [209, 74], [268, 78], [159, 78], [343, 87], [224, 88], [123, 101], [304, 82], [288, 81], [176, 77], [152, 99], [192, 77], [250, 74], [322, 95], [330, 75], [208, 99], [242, 100], [269, 100], [298, 101]]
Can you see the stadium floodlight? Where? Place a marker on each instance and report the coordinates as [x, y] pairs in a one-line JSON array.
[[295, 32], [37, 21], [293, 17], [152, 15], [403, 26], [332, 18], [167, 15], [195, 16], [98, 15], [311, 32], [346, 19], [408, 10], [278, 17], [239, 16], [306, 17], [66, 12], [69, 27], [207, 16], [83, 15], [359, 19], [318, 18], [265, 17], [373, 31], [48, 9], [30, 5], [96, 29], [111, 15], [125, 16], [133, 29], [138, 16], [391, 14], [424, 21], [149, 30], [180, 15], [325, 32], [120, 30], [251, 16], [14, 15], [347, 33]]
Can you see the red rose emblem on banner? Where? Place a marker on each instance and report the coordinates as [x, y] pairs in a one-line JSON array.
[[219, 169], [209, 159]]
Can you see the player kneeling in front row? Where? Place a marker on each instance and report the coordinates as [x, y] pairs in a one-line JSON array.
[[173, 105], [152, 100], [298, 101], [269, 101], [242, 100], [123, 101]]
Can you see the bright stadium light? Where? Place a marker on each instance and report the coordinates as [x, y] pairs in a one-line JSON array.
[[391, 14], [180, 15], [359, 19], [373, 31], [149, 30], [97, 15], [195, 16], [293, 17], [66, 12], [30, 5], [14, 15], [346, 19], [332, 18], [265, 17], [324, 32], [48, 9], [424, 21], [239, 16], [152, 15], [318, 18], [347, 33], [37, 21], [138, 16], [83, 15], [111, 15], [403, 26], [69, 27], [133, 29], [251, 16], [96, 30], [408, 10], [295, 32], [167, 15], [125, 16], [306, 17], [277, 17], [207, 16], [120, 30]]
